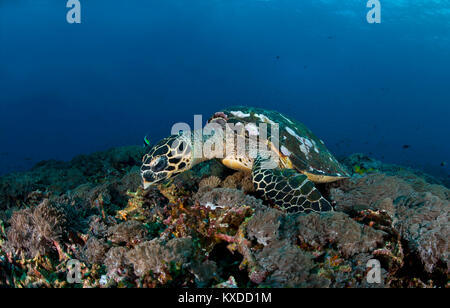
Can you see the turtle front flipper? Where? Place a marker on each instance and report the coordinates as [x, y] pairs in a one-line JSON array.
[[288, 189]]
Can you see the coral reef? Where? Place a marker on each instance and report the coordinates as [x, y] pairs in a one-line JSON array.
[[208, 228], [61, 177], [239, 180], [210, 182], [94, 251], [131, 232], [157, 257], [420, 218], [339, 230], [36, 231]]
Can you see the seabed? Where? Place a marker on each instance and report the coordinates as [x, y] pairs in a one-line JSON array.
[[208, 228]]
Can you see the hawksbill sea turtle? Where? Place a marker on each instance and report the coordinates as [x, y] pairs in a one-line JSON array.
[[303, 159]]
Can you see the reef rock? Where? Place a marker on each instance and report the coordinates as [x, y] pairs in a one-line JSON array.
[[208, 227], [418, 210]]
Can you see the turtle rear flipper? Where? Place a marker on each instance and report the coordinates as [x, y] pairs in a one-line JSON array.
[[288, 189]]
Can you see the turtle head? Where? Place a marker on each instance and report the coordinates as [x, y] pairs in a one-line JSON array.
[[166, 159]]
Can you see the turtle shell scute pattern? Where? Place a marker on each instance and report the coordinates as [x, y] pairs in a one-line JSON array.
[[306, 152]]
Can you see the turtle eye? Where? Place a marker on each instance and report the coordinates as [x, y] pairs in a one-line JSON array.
[[160, 165]]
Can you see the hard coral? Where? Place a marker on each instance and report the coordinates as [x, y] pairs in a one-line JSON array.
[[363, 193], [130, 232], [60, 177], [204, 272], [225, 197], [421, 218], [264, 226], [14, 189], [204, 222], [288, 266], [207, 231], [94, 250], [98, 226], [116, 262], [338, 229], [158, 257], [240, 180]]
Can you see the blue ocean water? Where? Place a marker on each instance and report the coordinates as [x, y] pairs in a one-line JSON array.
[[134, 68]]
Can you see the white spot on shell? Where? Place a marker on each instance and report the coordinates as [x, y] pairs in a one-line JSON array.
[[252, 129], [305, 144], [264, 119], [285, 151], [304, 149], [290, 131], [287, 119], [240, 114]]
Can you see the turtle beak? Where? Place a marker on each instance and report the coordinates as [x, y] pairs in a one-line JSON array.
[[148, 178]]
